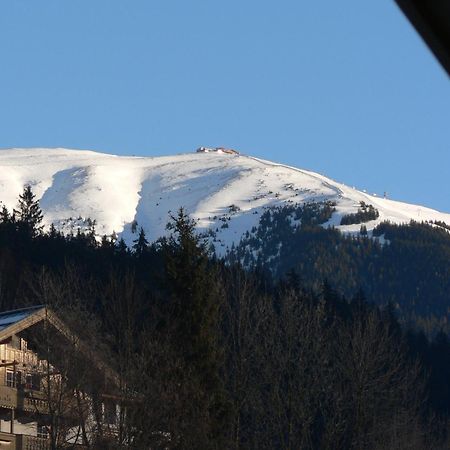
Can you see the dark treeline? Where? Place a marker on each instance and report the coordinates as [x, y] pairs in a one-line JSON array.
[[214, 357]]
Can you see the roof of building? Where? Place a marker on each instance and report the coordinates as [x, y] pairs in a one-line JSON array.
[[15, 321]]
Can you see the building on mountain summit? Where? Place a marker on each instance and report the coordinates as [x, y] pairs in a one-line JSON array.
[[230, 151], [55, 391]]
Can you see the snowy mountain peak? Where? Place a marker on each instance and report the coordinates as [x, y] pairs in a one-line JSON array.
[[224, 191]]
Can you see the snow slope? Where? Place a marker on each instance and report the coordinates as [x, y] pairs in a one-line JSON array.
[[223, 192]]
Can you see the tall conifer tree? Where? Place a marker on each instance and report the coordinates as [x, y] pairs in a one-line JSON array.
[[194, 301], [28, 213], [140, 245]]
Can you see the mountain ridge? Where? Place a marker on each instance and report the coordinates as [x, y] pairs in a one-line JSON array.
[[225, 193]]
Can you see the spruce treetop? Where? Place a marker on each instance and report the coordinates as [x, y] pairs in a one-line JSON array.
[[140, 245], [28, 213]]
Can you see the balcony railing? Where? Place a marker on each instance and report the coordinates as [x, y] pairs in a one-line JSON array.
[[23, 442], [22, 356], [32, 443], [33, 401]]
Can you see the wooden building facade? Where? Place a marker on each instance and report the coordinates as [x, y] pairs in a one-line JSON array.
[[53, 389]]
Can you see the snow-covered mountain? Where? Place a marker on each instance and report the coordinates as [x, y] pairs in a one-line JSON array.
[[224, 192]]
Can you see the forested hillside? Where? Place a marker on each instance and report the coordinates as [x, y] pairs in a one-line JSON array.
[[405, 265], [218, 357]]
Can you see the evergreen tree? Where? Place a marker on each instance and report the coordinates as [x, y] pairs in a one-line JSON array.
[[191, 285], [53, 232], [28, 213], [5, 217], [91, 235], [121, 247], [194, 304], [140, 245], [105, 243]]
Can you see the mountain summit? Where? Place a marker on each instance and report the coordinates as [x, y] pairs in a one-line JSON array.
[[224, 191]]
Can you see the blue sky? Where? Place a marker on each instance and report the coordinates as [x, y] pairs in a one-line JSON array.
[[347, 89]]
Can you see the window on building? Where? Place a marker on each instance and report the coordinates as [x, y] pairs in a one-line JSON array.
[[28, 381], [15, 342], [35, 382], [110, 413], [42, 431], [10, 379], [13, 380]]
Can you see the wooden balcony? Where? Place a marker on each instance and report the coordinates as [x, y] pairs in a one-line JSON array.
[[22, 356], [22, 442], [22, 399], [31, 443]]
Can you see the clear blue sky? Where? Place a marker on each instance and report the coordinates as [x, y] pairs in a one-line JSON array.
[[347, 89]]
